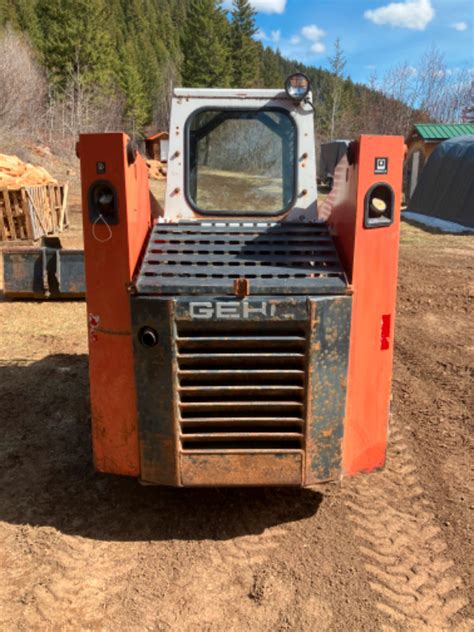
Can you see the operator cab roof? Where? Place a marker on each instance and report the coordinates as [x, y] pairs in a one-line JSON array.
[[228, 93]]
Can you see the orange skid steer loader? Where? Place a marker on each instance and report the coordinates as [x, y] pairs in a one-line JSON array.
[[245, 337]]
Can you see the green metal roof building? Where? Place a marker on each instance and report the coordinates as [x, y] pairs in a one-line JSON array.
[[432, 132], [421, 142]]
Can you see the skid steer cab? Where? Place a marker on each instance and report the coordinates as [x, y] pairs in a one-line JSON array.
[[246, 336]]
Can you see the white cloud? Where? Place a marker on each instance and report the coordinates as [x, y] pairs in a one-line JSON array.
[[444, 72], [459, 26], [263, 6], [312, 32], [410, 14], [295, 40], [318, 47], [269, 6], [275, 36]]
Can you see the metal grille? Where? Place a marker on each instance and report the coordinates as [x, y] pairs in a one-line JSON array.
[[241, 389], [207, 257]]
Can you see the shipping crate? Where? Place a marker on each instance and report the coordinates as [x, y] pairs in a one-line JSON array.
[[31, 212]]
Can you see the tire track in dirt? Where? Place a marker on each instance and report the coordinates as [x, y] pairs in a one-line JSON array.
[[229, 581], [405, 554], [229, 575], [254, 548], [249, 577], [74, 580]]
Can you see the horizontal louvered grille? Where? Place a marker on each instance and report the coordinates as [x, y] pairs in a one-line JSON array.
[[241, 391]]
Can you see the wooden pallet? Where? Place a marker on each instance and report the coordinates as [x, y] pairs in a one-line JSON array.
[[29, 213]]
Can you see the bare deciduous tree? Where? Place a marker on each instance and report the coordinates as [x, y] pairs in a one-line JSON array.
[[76, 109], [431, 90], [442, 93], [337, 63], [408, 94], [24, 86]]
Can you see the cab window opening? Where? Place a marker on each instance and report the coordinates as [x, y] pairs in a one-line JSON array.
[[241, 161]]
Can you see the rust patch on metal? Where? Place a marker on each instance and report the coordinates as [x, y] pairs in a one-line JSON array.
[[327, 372], [249, 469], [241, 287], [157, 467], [155, 375]]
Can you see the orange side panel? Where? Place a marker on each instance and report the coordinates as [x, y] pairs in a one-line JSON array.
[[371, 256], [111, 256], [339, 209]]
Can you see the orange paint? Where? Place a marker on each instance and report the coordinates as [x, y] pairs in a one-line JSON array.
[[371, 260], [111, 257]]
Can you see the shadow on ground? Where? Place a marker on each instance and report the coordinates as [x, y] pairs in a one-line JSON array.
[[47, 478]]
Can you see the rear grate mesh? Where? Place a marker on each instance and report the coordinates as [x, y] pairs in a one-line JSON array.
[[241, 390], [207, 257]]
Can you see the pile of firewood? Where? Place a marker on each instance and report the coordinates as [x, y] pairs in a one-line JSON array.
[[15, 174], [156, 169], [32, 202]]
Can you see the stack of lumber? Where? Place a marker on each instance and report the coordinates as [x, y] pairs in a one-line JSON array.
[[156, 169], [15, 174], [32, 203]]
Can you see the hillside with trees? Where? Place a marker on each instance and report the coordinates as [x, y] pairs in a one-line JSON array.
[[79, 65]]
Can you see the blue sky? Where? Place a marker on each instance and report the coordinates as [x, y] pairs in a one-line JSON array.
[[375, 34]]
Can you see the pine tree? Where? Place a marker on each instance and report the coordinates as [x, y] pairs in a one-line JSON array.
[[137, 110], [244, 50], [24, 17], [76, 41], [168, 34], [8, 13], [272, 72], [205, 49], [92, 49]]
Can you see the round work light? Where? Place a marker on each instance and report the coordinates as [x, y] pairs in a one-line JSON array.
[[102, 202], [297, 86], [104, 198]]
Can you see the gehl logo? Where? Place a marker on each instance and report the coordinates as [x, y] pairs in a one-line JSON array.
[[231, 309]]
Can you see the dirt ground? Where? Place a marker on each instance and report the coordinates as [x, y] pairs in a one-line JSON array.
[[388, 551], [245, 191]]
